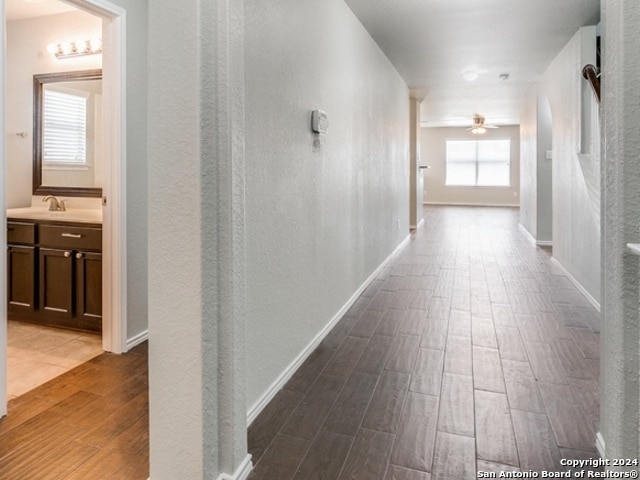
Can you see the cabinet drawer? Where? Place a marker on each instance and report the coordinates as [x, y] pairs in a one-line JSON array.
[[18, 232], [79, 238]]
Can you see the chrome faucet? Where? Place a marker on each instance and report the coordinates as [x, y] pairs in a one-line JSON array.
[[55, 205]]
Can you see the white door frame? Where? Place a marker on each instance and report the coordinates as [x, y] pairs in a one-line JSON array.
[[114, 188], [3, 219], [114, 288]]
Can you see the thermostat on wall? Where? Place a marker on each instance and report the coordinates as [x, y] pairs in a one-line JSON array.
[[319, 121]]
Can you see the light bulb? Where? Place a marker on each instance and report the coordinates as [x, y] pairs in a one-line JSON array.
[[66, 48], [96, 44], [52, 48]]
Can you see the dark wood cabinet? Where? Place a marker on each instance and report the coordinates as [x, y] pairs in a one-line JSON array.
[[21, 272], [55, 273], [21, 267], [56, 282], [89, 288]]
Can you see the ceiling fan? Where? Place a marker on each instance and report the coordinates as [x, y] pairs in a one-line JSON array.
[[479, 127]]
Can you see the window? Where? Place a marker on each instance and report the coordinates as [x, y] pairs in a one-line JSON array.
[[64, 128], [478, 163]]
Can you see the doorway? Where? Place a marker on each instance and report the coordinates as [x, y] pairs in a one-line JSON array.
[[113, 201]]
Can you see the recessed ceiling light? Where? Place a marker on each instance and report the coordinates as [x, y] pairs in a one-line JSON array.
[[470, 76]]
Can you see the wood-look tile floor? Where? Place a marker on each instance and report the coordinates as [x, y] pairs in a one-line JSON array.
[[88, 423], [470, 351]]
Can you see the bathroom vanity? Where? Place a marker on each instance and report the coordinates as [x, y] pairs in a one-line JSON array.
[[54, 253], [54, 267]]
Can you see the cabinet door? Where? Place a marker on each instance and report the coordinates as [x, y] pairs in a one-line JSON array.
[[21, 267], [89, 290], [56, 282]]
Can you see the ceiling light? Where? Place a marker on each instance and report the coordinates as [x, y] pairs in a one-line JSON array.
[[470, 76], [479, 127]]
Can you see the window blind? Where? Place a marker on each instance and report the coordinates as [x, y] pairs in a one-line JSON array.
[[480, 163], [64, 128]]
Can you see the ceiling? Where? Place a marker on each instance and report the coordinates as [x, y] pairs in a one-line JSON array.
[[432, 43], [23, 9]]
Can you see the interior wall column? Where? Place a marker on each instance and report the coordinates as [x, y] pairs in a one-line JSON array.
[[620, 342], [196, 240]]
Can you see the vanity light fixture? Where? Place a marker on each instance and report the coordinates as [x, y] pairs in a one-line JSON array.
[[75, 48]]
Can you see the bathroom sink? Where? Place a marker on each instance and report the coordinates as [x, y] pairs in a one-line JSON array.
[[56, 214]]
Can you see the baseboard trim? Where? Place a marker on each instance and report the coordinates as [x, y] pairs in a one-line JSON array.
[[531, 238], [527, 233], [469, 204], [416, 227], [288, 372], [577, 284], [242, 472], [137, 339], [600, 445]]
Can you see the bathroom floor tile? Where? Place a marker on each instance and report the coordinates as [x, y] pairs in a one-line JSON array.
[[37, 354]]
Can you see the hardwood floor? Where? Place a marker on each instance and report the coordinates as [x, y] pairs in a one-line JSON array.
[[88, 423], [470, 351]]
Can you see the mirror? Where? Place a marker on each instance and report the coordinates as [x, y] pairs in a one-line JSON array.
[[67, 134]]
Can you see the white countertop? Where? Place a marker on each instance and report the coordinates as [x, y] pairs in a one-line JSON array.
[[80, 215]]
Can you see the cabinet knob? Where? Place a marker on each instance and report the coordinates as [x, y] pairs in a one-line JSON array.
[[67, 254], [79, 255]]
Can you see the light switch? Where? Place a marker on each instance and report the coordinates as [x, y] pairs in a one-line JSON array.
[[319, 121]]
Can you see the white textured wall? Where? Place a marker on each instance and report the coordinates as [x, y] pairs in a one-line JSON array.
[[433, 149], [27, 56], [544, 171], [175, 248], [619, 399], [536, 212], [196, 240], [576, 206], [322, 213], [415, 173], [529, 162]]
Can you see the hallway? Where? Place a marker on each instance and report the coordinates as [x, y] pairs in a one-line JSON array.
[[470, 352]]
